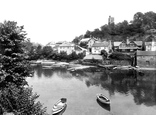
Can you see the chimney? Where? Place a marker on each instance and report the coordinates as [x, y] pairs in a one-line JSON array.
[[127, 42]]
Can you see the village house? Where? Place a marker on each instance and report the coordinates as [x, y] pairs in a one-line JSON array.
[[128, 46], [70, 47], [89, 42], [150, 43], [97, 47], [116, 46]]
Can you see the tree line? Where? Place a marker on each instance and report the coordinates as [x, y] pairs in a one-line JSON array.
[[47, 52], [135, 29]]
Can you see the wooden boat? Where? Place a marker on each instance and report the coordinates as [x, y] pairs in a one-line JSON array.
[[103, 105], [103, 99], [59, 106]]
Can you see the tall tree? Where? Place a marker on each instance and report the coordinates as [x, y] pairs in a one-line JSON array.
[[15, 95]]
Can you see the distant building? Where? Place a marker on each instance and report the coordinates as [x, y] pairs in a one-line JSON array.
[[89, 41], [110, 20], [116, 45], [128, 46], [99, 46], [66, 47], [70, 47], [150, 43]]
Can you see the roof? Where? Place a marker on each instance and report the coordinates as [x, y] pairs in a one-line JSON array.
[[60, 42], [148, 43], [139, 43], [81, 48], [117, 43], [146, 53], [85, 40], [67, 45], [100, 44]]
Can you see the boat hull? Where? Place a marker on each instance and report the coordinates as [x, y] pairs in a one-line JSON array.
[[103, 99], [59, 107]]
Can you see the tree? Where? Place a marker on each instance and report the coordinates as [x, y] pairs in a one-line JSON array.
[[84, 45], [104, 54], [15, 95], [77, 39], [47, 51]]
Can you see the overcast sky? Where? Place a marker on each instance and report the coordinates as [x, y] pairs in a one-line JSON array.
[[63, 20]]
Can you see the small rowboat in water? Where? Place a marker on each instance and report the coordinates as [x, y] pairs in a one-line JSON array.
[[59, 106], [103, 99]]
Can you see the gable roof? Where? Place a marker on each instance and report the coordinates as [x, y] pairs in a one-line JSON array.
[[67, 45], [85, 40], [117, 43], [94, 39], [139, 43], [101, 44]]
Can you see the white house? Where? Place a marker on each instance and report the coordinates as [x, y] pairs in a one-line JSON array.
[[151, 44], [70, 47], [89, 42], [97, 47], [66, 47]]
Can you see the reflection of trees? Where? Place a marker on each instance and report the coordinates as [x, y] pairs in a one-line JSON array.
[[47, 72], [121, 82], [38, 70], [145, 93], [143, 88]]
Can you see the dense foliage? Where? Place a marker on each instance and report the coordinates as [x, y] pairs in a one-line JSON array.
[[46, 52], [120, 56], [135, 29], [15, 95]]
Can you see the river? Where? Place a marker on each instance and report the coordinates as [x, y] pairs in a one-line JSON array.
[[130, 94]]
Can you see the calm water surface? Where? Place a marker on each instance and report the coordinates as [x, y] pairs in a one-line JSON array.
[[130, 94]]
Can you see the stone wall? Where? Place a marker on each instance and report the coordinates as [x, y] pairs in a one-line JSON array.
[[117, 62], [146, 61]]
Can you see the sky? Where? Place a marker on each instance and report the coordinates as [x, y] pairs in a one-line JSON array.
[[62, 20]]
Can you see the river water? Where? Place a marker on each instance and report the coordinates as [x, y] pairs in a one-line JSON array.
[[130, 94]]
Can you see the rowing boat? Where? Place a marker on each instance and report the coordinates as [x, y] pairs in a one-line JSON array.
[[103, 99], [59, 106]]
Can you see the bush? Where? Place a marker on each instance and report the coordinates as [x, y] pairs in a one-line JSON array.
[[119, 56]]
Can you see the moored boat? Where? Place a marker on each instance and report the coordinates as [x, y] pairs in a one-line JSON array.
[[103, 99], [59, 106], [103, 105]]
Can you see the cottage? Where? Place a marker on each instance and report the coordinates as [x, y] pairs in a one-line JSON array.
[[150, 43], [146, 59], [116, 45], [127, 46], [91, 42], [70, 47], [66, 47], [99, 46]]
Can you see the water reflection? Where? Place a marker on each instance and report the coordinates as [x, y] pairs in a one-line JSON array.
[[141, 88], [105, 106]]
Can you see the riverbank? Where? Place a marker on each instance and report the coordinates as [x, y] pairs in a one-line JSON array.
[[76, 65]]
